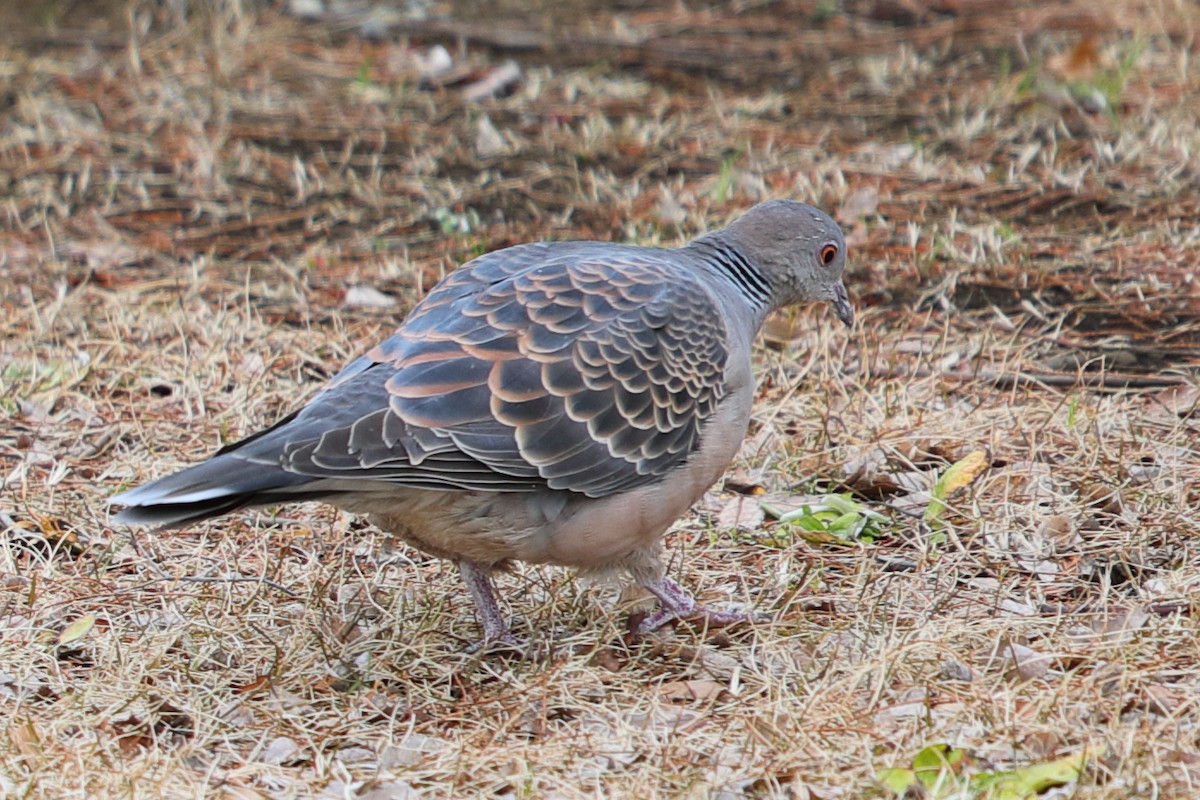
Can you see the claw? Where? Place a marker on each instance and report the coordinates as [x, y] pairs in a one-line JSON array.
[[678, 604], [506, 643]]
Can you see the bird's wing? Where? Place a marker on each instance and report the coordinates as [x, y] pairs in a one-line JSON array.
[[581, 367]]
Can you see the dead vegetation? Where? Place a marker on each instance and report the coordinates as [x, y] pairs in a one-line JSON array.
[[204, 220]]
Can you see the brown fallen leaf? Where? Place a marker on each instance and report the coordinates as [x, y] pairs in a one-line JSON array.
[[411, 751], [711, 663], [867, 471], [1027, 662], [741, 513], [1059, 530], [164, 723], [1173, 756], [1120, 624], [1166, 701], [1043, 743], [686, 691], [1183, 400], [740, 482], [25, 738], [610, 658], [279, 750], [1080, 63], [664, 719]]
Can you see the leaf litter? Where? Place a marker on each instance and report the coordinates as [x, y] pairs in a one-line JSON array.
[[203, 221]]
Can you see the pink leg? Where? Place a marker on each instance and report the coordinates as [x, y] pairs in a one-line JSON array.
[[479, 584], [678, 604]]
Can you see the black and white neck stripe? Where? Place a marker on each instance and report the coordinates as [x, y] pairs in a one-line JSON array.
[[734, 266]]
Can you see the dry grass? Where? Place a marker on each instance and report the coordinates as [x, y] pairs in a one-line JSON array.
[[187, 213]]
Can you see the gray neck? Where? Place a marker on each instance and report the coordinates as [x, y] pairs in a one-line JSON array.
[[728, 262]]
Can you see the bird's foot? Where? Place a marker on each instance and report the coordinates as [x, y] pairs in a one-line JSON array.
[[709, 617], [508, 646], [497, 638], [678, 604]]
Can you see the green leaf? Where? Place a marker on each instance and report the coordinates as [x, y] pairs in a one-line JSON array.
[[896, 779], [835, 519], [938, 770], [935, 768], [1018, 784], [933, 763]]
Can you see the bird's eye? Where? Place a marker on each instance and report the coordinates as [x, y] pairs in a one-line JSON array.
[[828, 254]]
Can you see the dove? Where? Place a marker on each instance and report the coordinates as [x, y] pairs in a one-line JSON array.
[[557, 403]]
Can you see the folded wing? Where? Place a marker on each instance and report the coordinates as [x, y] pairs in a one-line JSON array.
[[584, 367]]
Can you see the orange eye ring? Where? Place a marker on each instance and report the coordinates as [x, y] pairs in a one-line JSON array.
[[828, 254]]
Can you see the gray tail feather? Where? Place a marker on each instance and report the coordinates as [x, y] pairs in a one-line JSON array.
[[217, 486]]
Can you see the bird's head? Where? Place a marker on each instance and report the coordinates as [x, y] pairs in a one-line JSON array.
[[800, 251]]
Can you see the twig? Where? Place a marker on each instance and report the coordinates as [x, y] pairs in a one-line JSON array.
[[1007, 379]]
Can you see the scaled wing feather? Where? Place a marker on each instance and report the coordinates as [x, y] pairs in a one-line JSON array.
[[585, 367]]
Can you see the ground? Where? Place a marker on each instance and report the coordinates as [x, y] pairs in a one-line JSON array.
[[204, 218]]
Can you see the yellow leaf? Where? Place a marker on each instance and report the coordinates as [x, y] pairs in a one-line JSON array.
[[77, 629], [959, 475]]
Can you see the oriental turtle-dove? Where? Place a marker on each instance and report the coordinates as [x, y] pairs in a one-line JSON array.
[[555, 403]]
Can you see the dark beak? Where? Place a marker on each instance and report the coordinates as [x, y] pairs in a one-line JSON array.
[[841, 304]]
